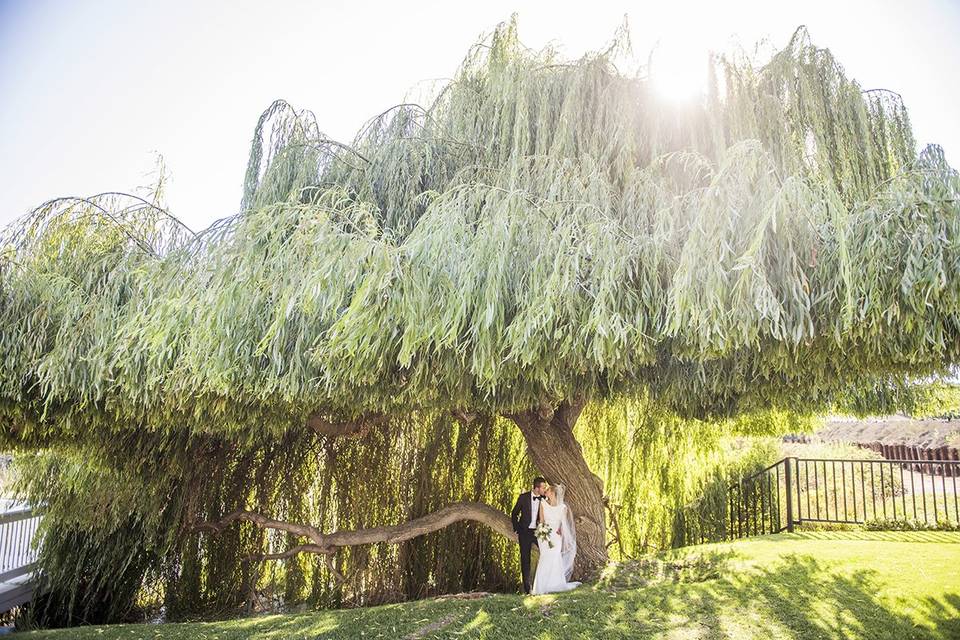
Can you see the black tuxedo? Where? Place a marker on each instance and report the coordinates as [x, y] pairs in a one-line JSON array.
[[521, 517]]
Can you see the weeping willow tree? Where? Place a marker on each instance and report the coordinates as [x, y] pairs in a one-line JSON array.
[[539, 235]]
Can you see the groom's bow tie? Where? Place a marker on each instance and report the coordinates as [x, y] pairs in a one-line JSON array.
[[538, 497]]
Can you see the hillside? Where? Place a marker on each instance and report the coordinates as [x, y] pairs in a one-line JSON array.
[[928, 433], [805, 585]]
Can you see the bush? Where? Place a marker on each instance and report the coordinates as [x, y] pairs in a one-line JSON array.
[[910, 525]]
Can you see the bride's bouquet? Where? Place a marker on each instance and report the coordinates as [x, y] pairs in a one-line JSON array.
[[542, 533]]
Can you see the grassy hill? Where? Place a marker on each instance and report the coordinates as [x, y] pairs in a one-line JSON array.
[[872, 585]]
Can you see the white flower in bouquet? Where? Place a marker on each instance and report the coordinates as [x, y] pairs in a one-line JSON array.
[[542, 533]]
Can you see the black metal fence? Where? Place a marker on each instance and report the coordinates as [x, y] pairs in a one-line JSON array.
[[794, 491]]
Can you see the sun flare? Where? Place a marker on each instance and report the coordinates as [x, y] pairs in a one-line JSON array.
[[678, 71]]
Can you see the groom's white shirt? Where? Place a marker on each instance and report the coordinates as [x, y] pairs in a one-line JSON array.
[[534, 510]]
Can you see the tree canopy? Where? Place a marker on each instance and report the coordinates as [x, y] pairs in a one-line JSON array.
[[542, 229]]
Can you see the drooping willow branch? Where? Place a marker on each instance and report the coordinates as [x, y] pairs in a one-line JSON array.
[[328, 543]]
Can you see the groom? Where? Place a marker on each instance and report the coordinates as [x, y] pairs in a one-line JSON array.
[[524, 518]]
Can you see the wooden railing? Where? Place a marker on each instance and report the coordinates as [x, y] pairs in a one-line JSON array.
[[18, 555]]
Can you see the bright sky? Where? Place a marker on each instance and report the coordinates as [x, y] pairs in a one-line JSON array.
[[91, 92]]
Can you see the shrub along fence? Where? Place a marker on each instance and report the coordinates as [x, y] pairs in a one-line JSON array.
[[797, 491]]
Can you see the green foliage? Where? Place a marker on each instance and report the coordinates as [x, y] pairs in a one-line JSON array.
[[910, 525], [919, 399], [120, 517], [652, 463], [707, 518], [939, 400], [97, 539]]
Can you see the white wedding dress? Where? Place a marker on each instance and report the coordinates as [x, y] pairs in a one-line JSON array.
[[555, 565]]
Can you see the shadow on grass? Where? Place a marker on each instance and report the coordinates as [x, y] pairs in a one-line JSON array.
[[797, 597], [800, 597]]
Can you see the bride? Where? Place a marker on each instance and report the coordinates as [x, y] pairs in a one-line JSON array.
[[556, 562]]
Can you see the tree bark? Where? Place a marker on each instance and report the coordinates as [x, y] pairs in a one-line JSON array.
[[328, 543], [557, 454]]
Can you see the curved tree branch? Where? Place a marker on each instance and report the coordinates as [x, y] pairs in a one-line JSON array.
[[263, 522], [326, 544], [350, 428]]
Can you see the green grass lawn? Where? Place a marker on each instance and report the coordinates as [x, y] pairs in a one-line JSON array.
[[874, 585]]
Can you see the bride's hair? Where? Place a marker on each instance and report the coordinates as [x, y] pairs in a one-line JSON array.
[[559, 490]]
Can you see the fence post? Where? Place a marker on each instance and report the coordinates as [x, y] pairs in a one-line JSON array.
[[788, 476]]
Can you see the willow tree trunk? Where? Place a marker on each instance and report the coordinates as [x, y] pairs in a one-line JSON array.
[[557, 454]]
